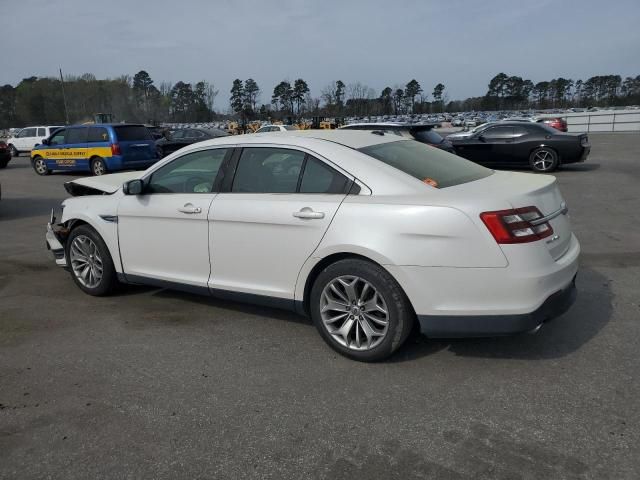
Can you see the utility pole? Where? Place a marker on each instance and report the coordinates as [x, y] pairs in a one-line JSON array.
[[64, 99]]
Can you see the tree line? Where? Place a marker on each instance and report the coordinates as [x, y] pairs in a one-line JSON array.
[[138, 98]]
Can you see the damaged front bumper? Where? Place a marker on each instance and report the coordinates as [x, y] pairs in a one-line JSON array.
[[55, 238]]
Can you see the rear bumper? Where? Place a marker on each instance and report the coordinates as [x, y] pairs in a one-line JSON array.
[[499, 325], [468, 302]]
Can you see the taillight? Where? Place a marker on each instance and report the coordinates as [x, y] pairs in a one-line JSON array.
[[115, 149], [516, 226]]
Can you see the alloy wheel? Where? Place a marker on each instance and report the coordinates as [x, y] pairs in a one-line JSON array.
[[98, 167], [354, 313], [543, 160], [40, 166], [86, 261]]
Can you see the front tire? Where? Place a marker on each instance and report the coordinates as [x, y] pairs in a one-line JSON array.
[[90, 262], [543, 160], [360, 310], [14, 151], [40, 166], [98, 167], [4, 163]]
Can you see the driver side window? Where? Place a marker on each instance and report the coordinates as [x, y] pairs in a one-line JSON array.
[[192, 173], [58, 138]]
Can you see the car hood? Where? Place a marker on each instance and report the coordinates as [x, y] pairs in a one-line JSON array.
[[104, 184]]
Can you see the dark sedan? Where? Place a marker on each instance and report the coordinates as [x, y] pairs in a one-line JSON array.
[[186, 136], [513, 144], [422, 132], [5, 154]]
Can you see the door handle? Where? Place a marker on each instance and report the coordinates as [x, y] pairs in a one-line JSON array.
[[308, 213], [189, 208]]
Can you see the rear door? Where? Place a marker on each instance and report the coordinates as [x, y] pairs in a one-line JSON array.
[[99, 144], [136, 143], [276, 206]]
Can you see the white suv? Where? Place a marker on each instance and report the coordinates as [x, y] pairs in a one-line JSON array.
[[29, 137]]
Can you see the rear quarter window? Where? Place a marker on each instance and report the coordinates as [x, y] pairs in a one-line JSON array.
[[428, 164], [132, 133]]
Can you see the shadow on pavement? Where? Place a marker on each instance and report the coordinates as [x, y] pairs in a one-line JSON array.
[[560, 337]]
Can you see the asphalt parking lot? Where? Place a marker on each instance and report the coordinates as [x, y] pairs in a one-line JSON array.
[[157, 384]]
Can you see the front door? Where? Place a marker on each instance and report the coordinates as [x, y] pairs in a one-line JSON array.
[[73, 153], [164, 233], [270, 220], [492, 146]]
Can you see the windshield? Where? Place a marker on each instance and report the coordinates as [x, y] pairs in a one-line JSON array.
[[430, 165]]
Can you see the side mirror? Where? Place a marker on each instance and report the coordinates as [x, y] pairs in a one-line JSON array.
[[45, 141], [133, 187], [481, 137]]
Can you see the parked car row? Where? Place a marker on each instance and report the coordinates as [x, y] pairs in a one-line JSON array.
[[498, 144], [102, 148]]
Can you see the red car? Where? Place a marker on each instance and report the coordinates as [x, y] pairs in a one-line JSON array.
[[557, 123], [5, 154]]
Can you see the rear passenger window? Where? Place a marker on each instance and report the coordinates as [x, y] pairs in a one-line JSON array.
[[77, 135], [42, 132], [498, 132], [268, 170], [321, 178], [98, 134]]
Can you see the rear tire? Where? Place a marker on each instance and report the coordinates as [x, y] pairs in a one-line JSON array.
[[360, 310], [4, 163], [40, 166], [90, 262], [543, 160], [98, 166]]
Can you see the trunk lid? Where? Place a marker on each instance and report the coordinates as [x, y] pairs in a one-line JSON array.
[[517, 190]]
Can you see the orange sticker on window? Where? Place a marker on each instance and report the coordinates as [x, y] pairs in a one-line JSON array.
[[430, 181]]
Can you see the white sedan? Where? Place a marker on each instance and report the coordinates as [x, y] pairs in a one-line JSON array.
[[367, 233]]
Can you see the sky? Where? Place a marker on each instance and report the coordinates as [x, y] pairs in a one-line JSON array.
[[460, 43]]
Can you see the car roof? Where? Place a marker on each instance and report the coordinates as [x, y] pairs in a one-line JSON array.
[[104, 125], [513, 123], [349, 138], [395, 125]]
